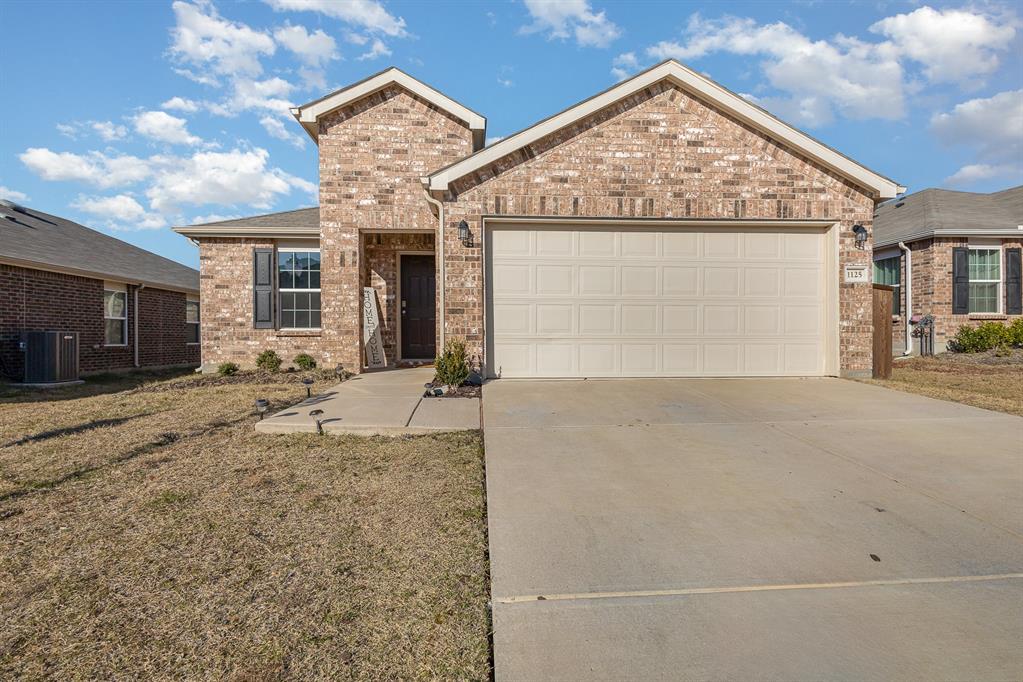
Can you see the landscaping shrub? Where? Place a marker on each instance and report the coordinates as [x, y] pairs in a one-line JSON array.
[[226, 369], [978, 339], [453, 364], [304, 361], [1016, 332], [268, 360]]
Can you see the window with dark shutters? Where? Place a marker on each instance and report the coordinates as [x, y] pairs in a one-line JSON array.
[[262, 288], [960, 280], [1013, 286]]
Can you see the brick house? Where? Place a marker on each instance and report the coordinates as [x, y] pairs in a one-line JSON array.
[[961, 253], [663, 227], [131, 308]]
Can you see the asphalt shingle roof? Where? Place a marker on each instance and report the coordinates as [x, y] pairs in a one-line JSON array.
[[919, 215], [301, 217], [40, 238]]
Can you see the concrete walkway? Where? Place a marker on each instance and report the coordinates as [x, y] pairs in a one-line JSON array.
[[775, 529], [388, 403]]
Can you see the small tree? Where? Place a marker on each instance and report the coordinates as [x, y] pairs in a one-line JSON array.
[[453, 365], [269, 361], [304, 361]]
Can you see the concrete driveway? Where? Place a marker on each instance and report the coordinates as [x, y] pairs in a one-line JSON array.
[[784, 529]]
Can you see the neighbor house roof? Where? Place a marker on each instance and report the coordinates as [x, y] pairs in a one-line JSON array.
[[937, 212], [299, 222], [688, 80], [309, 114], [33, 239]]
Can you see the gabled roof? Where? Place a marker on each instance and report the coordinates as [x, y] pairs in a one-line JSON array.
[[937, 212], [307, 114], [299, 222], [33, 239], [691, 81]]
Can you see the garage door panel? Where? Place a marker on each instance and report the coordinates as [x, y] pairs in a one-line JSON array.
[[656, 302]]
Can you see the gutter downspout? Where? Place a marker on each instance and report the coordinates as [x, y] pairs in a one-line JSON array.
[[135, 312], [909, 297], [440, 264]]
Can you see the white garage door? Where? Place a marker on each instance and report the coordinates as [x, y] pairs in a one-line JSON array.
[[626, 301]]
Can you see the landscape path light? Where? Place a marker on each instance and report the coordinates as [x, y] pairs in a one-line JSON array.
[[315, 414], [261, 405], [308, 381]]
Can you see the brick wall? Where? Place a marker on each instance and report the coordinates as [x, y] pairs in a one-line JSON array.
[[37, 300], [660, 153]]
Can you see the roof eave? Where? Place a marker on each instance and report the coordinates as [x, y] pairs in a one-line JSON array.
[[94, 274], [1007, 232], [246, 231]]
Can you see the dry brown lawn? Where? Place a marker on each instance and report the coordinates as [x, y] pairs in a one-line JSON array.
[[981, 380], [146, 531]]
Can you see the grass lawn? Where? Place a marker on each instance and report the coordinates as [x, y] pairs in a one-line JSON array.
[[147, 531], [981, 380]]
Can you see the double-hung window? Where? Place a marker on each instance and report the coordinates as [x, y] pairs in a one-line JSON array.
[[985, 279], [115, 317], [888, 271], [192, 321], [298, 285]]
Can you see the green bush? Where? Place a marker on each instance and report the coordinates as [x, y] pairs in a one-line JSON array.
[[304, 361], [978, 339], [452, 365], [268, 360], [226, 369], [1016, 332]]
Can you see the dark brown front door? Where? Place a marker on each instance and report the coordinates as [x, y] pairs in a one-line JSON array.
[[418, 308]]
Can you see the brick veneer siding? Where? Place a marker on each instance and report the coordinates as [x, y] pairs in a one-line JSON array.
[[373, 156], [658, 154], [380, 271], [38, 300], [932, 290]]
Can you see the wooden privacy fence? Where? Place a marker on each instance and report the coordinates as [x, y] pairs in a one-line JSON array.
[[883, 331]]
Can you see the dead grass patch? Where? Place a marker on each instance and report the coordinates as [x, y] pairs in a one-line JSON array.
[[179, 543]]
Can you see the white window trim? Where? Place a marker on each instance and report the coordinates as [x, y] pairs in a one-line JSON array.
[[999, 295], [277, 273], [198, 324], [124, 320]]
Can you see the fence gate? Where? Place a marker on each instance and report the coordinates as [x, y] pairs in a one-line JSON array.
[[882, 331]]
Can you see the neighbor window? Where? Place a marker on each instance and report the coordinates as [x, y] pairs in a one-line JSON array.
[[298, 281], [192, 321], [115, 317], [888, 271], [985, 280]]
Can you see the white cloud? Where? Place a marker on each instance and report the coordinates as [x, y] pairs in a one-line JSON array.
[[493, 140], [270, 95], [857, 79], [12, 194], [94, 168], [276, 128], [993, 126], [356, 38], [162, 127], [953, 45], [571, 18], [204, 39], [68, 130], [121, 211], [368, 14], [109, 130], [314, 49], [377, 49], [212, 218], [181, 104], [200, 78], [624, 65], [505, 82]]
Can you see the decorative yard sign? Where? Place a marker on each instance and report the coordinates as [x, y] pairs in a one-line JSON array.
[[856, 274], [371, 329]]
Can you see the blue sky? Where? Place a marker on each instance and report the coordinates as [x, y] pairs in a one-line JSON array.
[[135, 117]]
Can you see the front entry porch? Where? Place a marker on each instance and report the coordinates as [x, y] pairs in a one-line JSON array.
[[401, 269]]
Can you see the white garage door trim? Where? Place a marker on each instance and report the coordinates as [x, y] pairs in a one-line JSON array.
[[829, 262]]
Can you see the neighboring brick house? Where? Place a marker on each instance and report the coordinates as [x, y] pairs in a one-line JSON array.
[[963, 250], [664, 227], [131, 308]]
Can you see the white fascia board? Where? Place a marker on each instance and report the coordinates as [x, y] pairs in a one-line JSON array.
[[1006, 233], [691, 81], [242, 231], [307, 115]]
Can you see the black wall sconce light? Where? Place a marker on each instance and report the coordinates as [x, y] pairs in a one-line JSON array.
[[464, 234], [861, 236]]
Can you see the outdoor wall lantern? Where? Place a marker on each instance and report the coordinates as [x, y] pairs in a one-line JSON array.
[[315, 414], [861, 236], [308, 381], [463, 233], [261, 405]]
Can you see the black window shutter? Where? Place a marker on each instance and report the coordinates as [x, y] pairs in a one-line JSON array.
[[262, 288], [960, 280], [1013, 291]]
